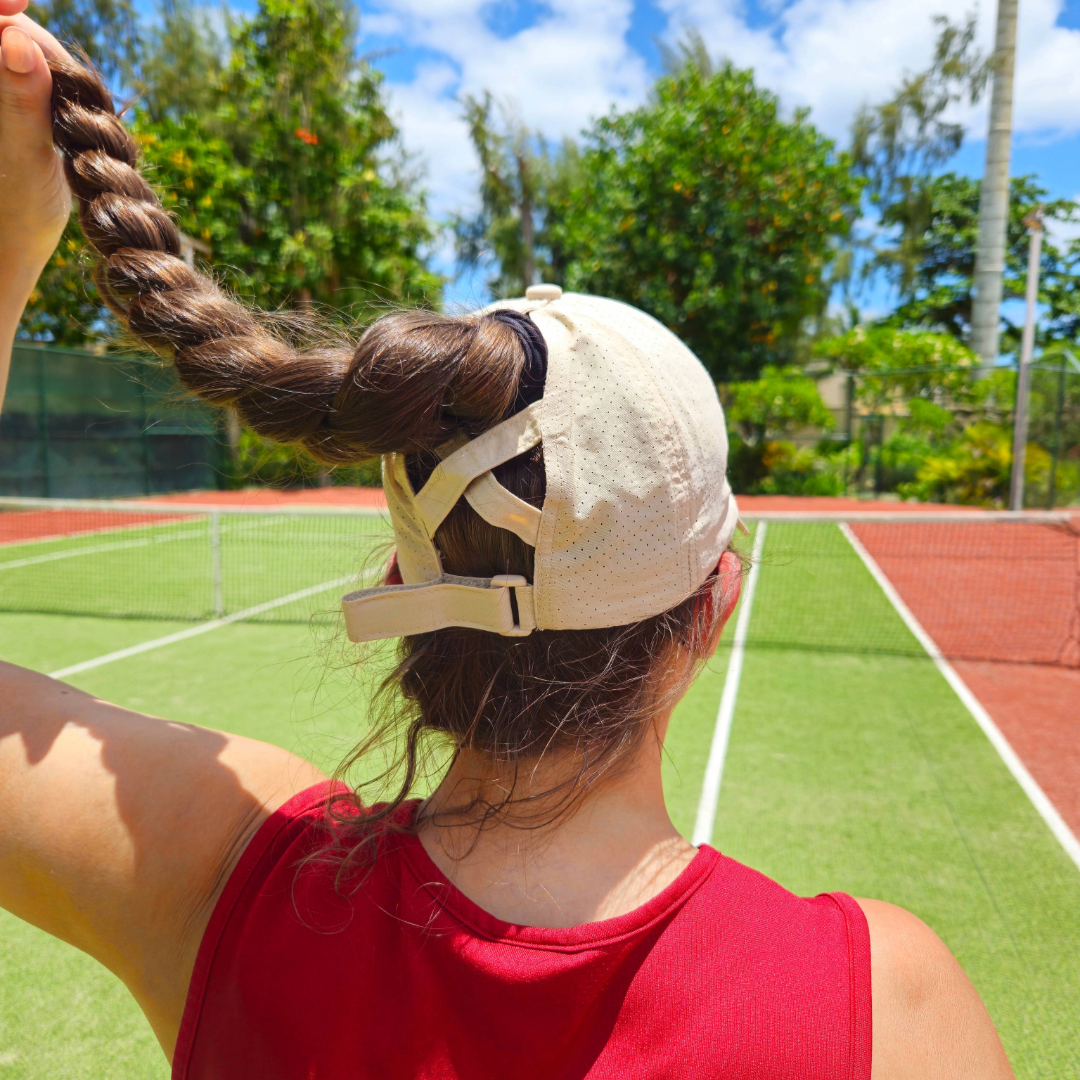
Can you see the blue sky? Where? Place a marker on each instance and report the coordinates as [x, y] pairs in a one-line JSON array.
[[562, 62]]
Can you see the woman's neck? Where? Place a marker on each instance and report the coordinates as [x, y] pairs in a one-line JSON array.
[[612, 853]]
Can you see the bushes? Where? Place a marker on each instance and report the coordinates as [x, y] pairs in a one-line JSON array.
[[759, 414], [791, 470], [929, 424], [975, 470], [260, 461], [949, 432]]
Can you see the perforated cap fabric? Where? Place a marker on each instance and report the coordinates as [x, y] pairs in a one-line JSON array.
[[638, 509]]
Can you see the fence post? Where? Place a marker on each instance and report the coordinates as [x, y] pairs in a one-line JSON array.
[[43, 426], [144, 424], [879, 432], [1058, 421], [215, 563], [850, 422], [1023, 372]]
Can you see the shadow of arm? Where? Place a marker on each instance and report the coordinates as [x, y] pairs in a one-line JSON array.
[[118, 830]]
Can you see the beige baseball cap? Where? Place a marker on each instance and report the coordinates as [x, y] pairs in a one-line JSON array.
[[638, 509]]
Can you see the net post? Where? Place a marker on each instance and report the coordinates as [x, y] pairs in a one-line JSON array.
[[215, 563]]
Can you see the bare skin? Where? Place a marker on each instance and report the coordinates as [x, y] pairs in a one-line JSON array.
[[118, 830]]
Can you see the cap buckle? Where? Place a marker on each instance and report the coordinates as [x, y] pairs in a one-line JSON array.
[[511, 583]]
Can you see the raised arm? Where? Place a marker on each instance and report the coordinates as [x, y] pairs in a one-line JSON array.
[[118, 830], [34, 198]]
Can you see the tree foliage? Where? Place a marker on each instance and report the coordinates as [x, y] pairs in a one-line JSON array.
[[306, 194], [64, 307], [779, 403], [941, 246], [180, 70], [276, 150], [901, 144], [893, 364], [515, 168], [707, 209], [107, 30], [976, 467]]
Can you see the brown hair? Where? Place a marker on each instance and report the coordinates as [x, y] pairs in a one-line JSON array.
[[413, 379]]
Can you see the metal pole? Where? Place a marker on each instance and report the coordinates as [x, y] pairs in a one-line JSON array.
[[144, 424], [1023, 375], [850, 428], [879, 432], [43, 426], [215, 563], [1059, 416], [994, 195]]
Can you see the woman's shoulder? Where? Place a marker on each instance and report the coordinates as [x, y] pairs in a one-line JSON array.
[[929, 1021]]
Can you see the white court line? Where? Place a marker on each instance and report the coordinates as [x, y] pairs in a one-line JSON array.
[[202, 628], [714, 770], [1047, 810]]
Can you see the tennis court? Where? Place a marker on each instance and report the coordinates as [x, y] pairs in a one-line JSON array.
[[851, 762]]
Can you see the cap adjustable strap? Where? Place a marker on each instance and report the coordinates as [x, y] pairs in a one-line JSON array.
[[403, 610], [454, 474], [495, 504], [430, 600], [503, 509]]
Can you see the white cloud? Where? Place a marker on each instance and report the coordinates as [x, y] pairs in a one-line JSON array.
[[571, 64], [834, 55]]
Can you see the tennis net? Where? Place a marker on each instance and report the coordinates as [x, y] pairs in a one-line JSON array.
[[183, 562], [983, 586]]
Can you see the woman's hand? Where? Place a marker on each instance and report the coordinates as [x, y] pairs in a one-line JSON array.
[[34, 198]]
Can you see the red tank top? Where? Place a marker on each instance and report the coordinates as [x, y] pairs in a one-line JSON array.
[[724, 974]]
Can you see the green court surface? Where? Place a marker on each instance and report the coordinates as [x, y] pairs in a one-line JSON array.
[[849, 768]]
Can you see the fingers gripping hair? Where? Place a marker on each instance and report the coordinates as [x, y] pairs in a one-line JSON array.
[[414, 378]]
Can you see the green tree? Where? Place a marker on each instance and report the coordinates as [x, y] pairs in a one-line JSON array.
[[65, 307], [280, 156], [329, 212], [707, 209], [937, 290], [776, 405], [180, 72], [514, 174], [900, 145], [894, 365], [108, 30], [763, 415]]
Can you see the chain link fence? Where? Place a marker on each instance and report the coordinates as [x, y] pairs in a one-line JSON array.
[[941, 435]]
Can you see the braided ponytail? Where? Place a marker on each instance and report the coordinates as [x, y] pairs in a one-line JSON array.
[[412, 380]]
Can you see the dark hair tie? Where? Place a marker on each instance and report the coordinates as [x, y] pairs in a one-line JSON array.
[[534, 372]]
